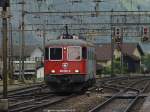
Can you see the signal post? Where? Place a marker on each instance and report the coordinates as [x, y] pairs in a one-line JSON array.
[[4, 102]]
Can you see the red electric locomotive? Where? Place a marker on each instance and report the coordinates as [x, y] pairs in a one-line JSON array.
[[69, 64]]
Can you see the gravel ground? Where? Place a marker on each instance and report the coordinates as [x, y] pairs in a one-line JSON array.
[[81, 103], [140, 103], [138, 106], [117, 105], [17, 85]]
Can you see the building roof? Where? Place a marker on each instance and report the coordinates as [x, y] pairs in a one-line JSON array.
[[16, 51], [103, 51], [128, 48]]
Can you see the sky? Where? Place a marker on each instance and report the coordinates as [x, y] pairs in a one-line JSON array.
[[64, 5]]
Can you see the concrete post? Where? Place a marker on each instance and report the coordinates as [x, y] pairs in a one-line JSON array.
[[3, 105]]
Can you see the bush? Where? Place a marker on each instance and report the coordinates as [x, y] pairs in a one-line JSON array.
[[117, 68]]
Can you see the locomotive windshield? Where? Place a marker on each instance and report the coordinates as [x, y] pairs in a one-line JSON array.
[[74, 53], [55, 54]]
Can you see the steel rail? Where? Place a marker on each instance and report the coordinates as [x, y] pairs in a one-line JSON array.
[[119, 86], [22, 89], [13, 108], [28, 95], [136, 98], [40, 104], [98, 107], [116, 89]]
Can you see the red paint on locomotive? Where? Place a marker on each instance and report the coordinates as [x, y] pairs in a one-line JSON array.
[[72, 68], [65, 66]]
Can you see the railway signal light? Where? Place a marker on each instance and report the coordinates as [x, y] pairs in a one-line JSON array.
[[118, 38], [145, 31], [145, 36], [117, 32]]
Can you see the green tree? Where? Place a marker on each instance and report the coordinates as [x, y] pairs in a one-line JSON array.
[[146, 61], [117, 68]]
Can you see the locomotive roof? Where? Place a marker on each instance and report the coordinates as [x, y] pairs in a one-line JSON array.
[[72, 42]]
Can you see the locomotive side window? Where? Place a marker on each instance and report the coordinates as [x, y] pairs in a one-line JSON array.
[[84, 52], [74, 53], [55, 53], [46, 53]]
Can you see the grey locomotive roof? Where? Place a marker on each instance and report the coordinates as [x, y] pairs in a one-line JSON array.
[[68, 42]]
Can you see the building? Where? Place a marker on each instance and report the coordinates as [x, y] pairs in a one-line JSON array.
[[36, 53], [29, 52], [32, 59], [132, 54]]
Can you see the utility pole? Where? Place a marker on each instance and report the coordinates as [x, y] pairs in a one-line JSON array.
[[97, 8], [138, 25], [139, 20], [122, 36], [4, 4], [66, 28], [131, 4], [20, 65], [4, 33], [121, 50], [11, 50], [23, 42], [10, 53], [112, 44], [44, 38]]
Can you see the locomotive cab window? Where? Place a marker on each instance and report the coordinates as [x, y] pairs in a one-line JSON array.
[[74, 53], [46, 53], [84, 52], [55, 54]]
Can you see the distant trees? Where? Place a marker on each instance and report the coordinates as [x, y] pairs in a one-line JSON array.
[[117, 68], [146, 63]]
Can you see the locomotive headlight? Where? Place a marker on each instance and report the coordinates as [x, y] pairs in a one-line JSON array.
[[76, 71], [52, 71], [65, 65]]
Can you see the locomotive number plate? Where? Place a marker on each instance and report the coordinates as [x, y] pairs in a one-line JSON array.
[[65, 70]]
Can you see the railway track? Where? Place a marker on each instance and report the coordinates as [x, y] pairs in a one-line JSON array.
[[123, 88], [123, 100], [26, 90], [32, 98], [34, 104], [115, 84]]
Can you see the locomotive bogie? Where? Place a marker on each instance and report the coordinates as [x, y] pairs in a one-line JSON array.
[[68, 83]]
